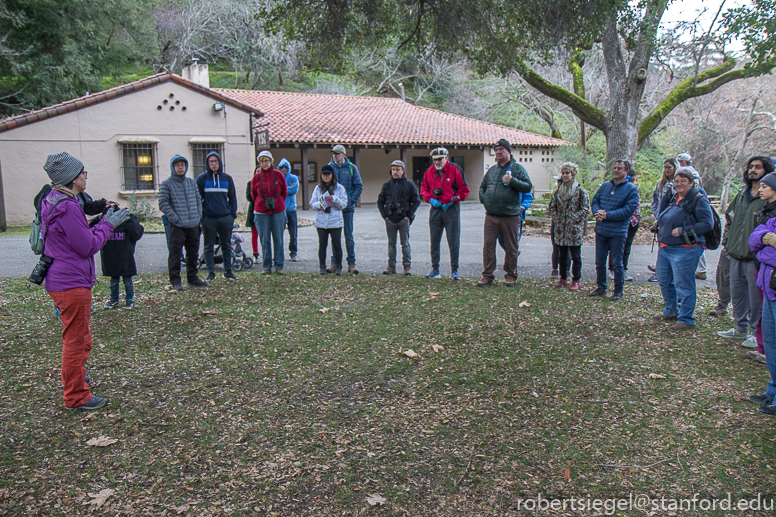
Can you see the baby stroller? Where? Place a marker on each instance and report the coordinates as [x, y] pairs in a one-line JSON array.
[[239, 258]]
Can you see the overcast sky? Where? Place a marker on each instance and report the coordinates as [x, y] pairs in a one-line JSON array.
[[688, 10]]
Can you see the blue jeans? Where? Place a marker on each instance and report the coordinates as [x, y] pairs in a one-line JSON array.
[[129, 288], [291, 225], [221, 226], [676, 275], [609, 246], [769, 343], [350, 243], [271, 228]]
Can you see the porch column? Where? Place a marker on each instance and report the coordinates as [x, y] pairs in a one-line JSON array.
[[357, 163], [303, 180]]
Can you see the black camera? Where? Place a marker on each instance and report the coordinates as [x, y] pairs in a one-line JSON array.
[[437, 192], [41, 268], [653, 229], [395, 208], [689, 236], [269, 203]]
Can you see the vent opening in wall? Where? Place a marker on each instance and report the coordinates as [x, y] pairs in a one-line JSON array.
[[172, 108], [159, 108]]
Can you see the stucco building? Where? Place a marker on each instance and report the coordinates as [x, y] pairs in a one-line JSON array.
[[126, 136]]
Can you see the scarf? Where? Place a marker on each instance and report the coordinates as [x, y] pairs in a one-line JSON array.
[[565, 193], [64, 190]]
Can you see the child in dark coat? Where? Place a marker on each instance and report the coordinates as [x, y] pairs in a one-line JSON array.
[[118, 260]]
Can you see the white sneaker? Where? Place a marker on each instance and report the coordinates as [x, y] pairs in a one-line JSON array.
[[627, 277], [749, 342], [611, 274]]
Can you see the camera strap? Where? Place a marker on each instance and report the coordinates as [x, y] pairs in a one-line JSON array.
[[274, 186], [45, 233]]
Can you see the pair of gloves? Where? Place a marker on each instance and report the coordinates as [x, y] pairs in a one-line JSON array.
[[438, 204], [116, 217]]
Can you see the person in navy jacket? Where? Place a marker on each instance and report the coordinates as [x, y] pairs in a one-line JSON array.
[[219, 210], [613, 205]]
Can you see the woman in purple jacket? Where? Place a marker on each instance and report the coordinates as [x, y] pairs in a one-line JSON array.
[[72, 245], [762, 241]]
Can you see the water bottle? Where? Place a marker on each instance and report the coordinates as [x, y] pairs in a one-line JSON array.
[[509, 171]]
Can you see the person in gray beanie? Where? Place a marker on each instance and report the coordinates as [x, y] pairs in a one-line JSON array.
[[72, 245]]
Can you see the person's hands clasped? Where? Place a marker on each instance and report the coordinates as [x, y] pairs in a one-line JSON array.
[[769, 239], [435, 202], [116, 217]]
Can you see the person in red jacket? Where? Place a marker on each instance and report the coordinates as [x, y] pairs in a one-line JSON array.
[[269, 191], [444, 187]]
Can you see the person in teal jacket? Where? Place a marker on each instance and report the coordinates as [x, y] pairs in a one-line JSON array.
[[291, 221]]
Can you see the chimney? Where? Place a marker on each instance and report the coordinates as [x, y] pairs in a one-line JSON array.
[[197, 74], [401, 87]]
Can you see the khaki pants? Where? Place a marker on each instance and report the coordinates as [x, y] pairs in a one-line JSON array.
[[507, 227]]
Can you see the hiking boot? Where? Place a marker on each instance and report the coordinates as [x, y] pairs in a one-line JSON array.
[[93, 403], [433, 274], [266, 271], [210, 277], [484, 282], [338, 271], [678, 326], [352, 269], [763, 399], [700, 276], [653, 278], [718, 311], [554, 273], [331, 269], [652, 268], [111, 304], [454, 275], [197, 282], [767, 410], [129, 304], [757, 356], [230, 276], [560, 283], [390, 270], [322, 270], [732, 333], [597, 292], [279, 271], [574, 285], [176, 286], [407, 270], [660, 317], [509, 281], [616, 297], [749, 342]]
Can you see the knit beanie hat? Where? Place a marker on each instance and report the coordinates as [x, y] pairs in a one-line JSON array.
[[503, 143], [770, 180], [62, 168]]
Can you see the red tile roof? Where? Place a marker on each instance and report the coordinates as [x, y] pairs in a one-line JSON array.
[[306, 118], [88, 100]]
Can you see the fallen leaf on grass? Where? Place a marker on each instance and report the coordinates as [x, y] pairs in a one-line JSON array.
[[184, 508], [567, 474], [91, 416], [324, 310], [409, 353], [375, 499], [434, 294], [437, 348], [102, 441], [656, 376], [100, 498], [524, 303]]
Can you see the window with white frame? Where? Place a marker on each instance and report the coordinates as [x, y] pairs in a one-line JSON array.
[[139, 166], [200, 150]]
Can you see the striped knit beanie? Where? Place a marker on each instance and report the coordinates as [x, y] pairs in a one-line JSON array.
[[62, 168]]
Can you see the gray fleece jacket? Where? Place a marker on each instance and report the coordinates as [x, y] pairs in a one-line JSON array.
[[179, 198]]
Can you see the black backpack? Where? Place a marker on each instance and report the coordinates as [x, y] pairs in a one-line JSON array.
[[714, 236]]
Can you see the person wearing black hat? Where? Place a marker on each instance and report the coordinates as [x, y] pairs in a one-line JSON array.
[[501, 193]]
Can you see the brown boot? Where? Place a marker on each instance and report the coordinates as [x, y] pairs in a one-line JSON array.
[[390, 270], [331, 269], [352, 269], [407, 271]]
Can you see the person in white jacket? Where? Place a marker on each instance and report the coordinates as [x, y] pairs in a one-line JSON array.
[[329, 198]]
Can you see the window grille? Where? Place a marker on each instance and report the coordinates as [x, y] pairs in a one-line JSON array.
[[198, 154], [140, 168]]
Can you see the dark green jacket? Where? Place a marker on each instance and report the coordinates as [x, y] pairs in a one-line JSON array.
[[741, 218], [501, 200]]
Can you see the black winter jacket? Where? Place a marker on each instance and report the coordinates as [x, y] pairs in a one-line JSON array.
[[118, 255], [90, 206], [402, 192]]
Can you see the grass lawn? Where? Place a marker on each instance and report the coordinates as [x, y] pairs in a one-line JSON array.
[[291, 396]]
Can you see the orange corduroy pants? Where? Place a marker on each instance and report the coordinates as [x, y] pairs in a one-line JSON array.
[[75, 307]]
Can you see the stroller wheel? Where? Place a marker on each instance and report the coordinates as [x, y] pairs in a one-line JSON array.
[[237, 265], [247, 262]]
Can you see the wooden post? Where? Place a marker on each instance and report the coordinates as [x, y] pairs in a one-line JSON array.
[[303, 180], [3, 221], [357, 163], [404, 158]]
